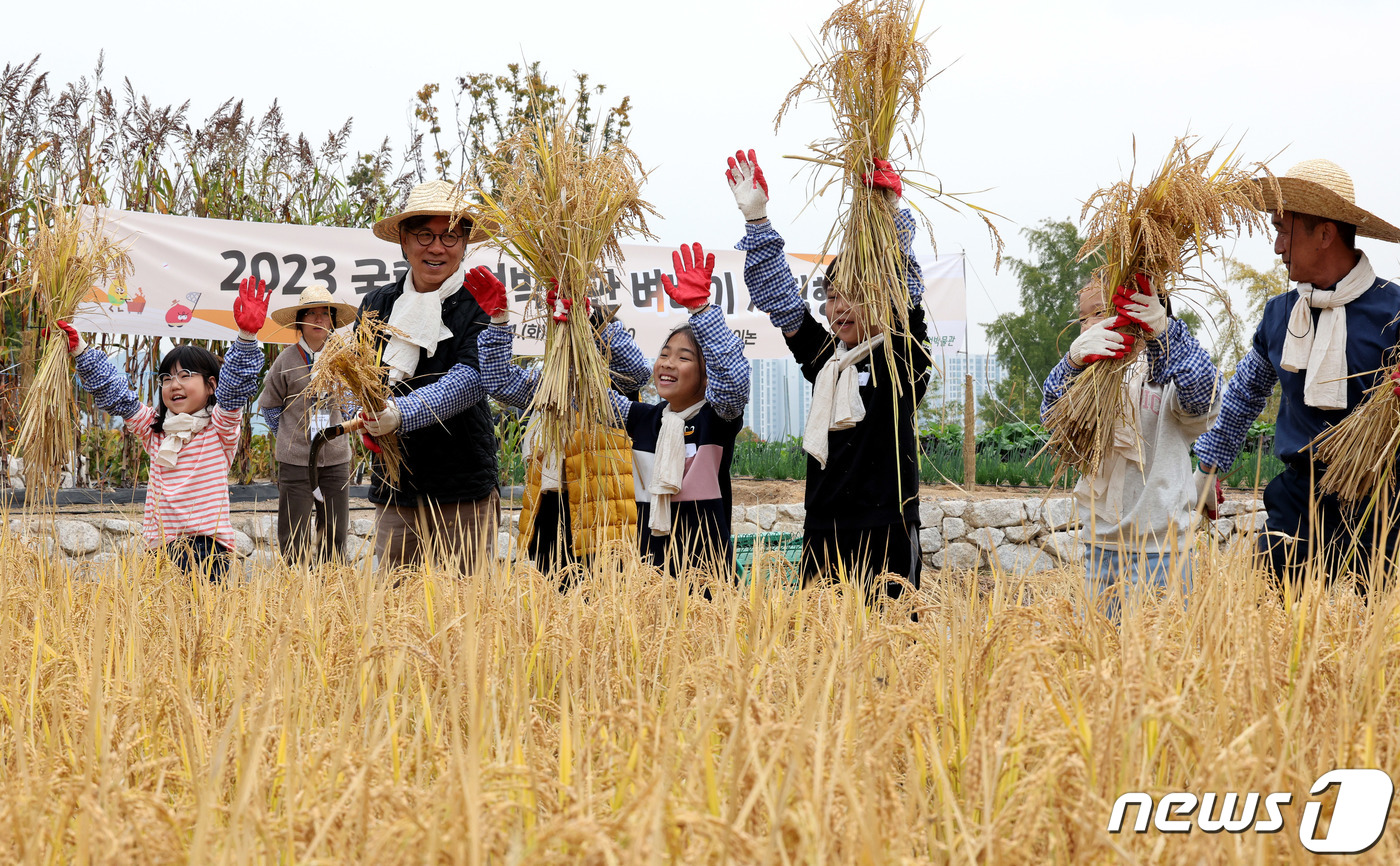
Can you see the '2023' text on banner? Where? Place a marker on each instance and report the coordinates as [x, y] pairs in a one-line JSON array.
[[186, 272]]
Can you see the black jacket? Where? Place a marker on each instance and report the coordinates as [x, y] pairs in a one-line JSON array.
[[453, 459], [871, 477]]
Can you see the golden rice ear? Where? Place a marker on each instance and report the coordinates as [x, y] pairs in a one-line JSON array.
[[575, 200], [348, 370], [1164, 229], [68, 257]]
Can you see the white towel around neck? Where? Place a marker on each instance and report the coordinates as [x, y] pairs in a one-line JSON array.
[[1322, 351], [668, 470], [179, 430], [836, 403], [418, 318]]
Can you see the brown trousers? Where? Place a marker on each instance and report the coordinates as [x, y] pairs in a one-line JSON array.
[[296, 506], [451, 531]]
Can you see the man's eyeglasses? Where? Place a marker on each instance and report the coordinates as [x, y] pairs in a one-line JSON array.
[[425, 238], [184, 377]]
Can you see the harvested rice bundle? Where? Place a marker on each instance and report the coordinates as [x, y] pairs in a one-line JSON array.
[[348, 372], [1156, 230], [67, 258], [1360, 451], [562, 214], [871, 68]]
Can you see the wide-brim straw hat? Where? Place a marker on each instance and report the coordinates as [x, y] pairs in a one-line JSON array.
[[434, 198], [1321, 188], [315, 295]]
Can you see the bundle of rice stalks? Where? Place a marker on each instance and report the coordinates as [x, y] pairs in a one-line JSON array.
[[567, 203], [1360, 451], [348, 371], [1157, 230], [67, 257], [871, 68]]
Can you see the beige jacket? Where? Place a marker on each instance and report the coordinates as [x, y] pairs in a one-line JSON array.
[[285, 389]]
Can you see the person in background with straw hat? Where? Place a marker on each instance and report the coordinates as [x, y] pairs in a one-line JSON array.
[[1325, 344], [447, 497], [863, 466], [291, 414], [1139, 510]]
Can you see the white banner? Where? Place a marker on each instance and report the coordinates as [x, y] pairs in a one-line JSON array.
[[187, 269]]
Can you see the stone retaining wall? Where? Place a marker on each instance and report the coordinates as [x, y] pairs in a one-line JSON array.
[[1014, 534]]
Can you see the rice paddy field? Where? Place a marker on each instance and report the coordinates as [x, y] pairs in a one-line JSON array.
[[343, 716]]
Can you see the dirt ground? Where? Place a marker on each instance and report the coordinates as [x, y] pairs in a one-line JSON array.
[[748, 491]]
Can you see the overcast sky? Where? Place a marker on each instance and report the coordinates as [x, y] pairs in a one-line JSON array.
[[1039, 108]]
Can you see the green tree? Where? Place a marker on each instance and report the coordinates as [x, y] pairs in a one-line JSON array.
[[1030, 343], [491, 108]]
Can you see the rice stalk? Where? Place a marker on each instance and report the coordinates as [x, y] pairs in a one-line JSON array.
[[67, 256], [348, 372], [1163, 230], [1359, 452], [569, 202], [871, 67]]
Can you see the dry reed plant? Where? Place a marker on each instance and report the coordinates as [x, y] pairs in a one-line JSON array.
[[871, 67], [1359, 451], [67, 256], [331, 717], [567, 204], [348, 372], [1159, 230]]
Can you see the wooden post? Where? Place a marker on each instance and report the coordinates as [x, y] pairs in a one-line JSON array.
[[969, 435]]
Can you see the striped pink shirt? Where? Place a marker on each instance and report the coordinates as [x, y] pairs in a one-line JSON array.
[[191, 498]]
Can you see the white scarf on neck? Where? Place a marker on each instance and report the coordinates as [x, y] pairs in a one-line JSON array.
[[1323, 352], [836, 403], [301, 341], [417, 316], [669, 468], [179, 430]]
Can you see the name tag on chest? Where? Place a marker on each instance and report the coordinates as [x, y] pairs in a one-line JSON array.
[[316, 422], [864, 378], [690, 448]]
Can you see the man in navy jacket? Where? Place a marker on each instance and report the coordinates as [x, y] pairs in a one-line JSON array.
[[1325, 343]]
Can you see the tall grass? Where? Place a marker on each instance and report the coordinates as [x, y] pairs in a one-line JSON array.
[[334, 717]]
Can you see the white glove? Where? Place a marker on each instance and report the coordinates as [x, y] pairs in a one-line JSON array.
[[1206, 492], [749, 188], [1099, 342], [385, 422], [1147, 311]]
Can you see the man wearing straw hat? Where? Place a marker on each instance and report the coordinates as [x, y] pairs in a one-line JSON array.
[[1325, 343], [447, 497], [292, 415]]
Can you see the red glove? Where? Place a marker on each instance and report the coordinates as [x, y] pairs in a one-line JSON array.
[[1212, 513], [751, 163], [370, 443], [559, 307], [1394, 377], [692, 287], [74, 341], [250, 310], [489, 292], [884, 176]]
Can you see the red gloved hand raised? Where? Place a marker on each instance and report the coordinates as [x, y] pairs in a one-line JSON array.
[[489, 292], [692, 287], [885, 177], [74, 341], [749, 186], [250, 310], [1394, 377]]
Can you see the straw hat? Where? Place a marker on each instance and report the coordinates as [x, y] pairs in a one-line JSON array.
[[434, 198], [1319, 187], [315, 295]]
